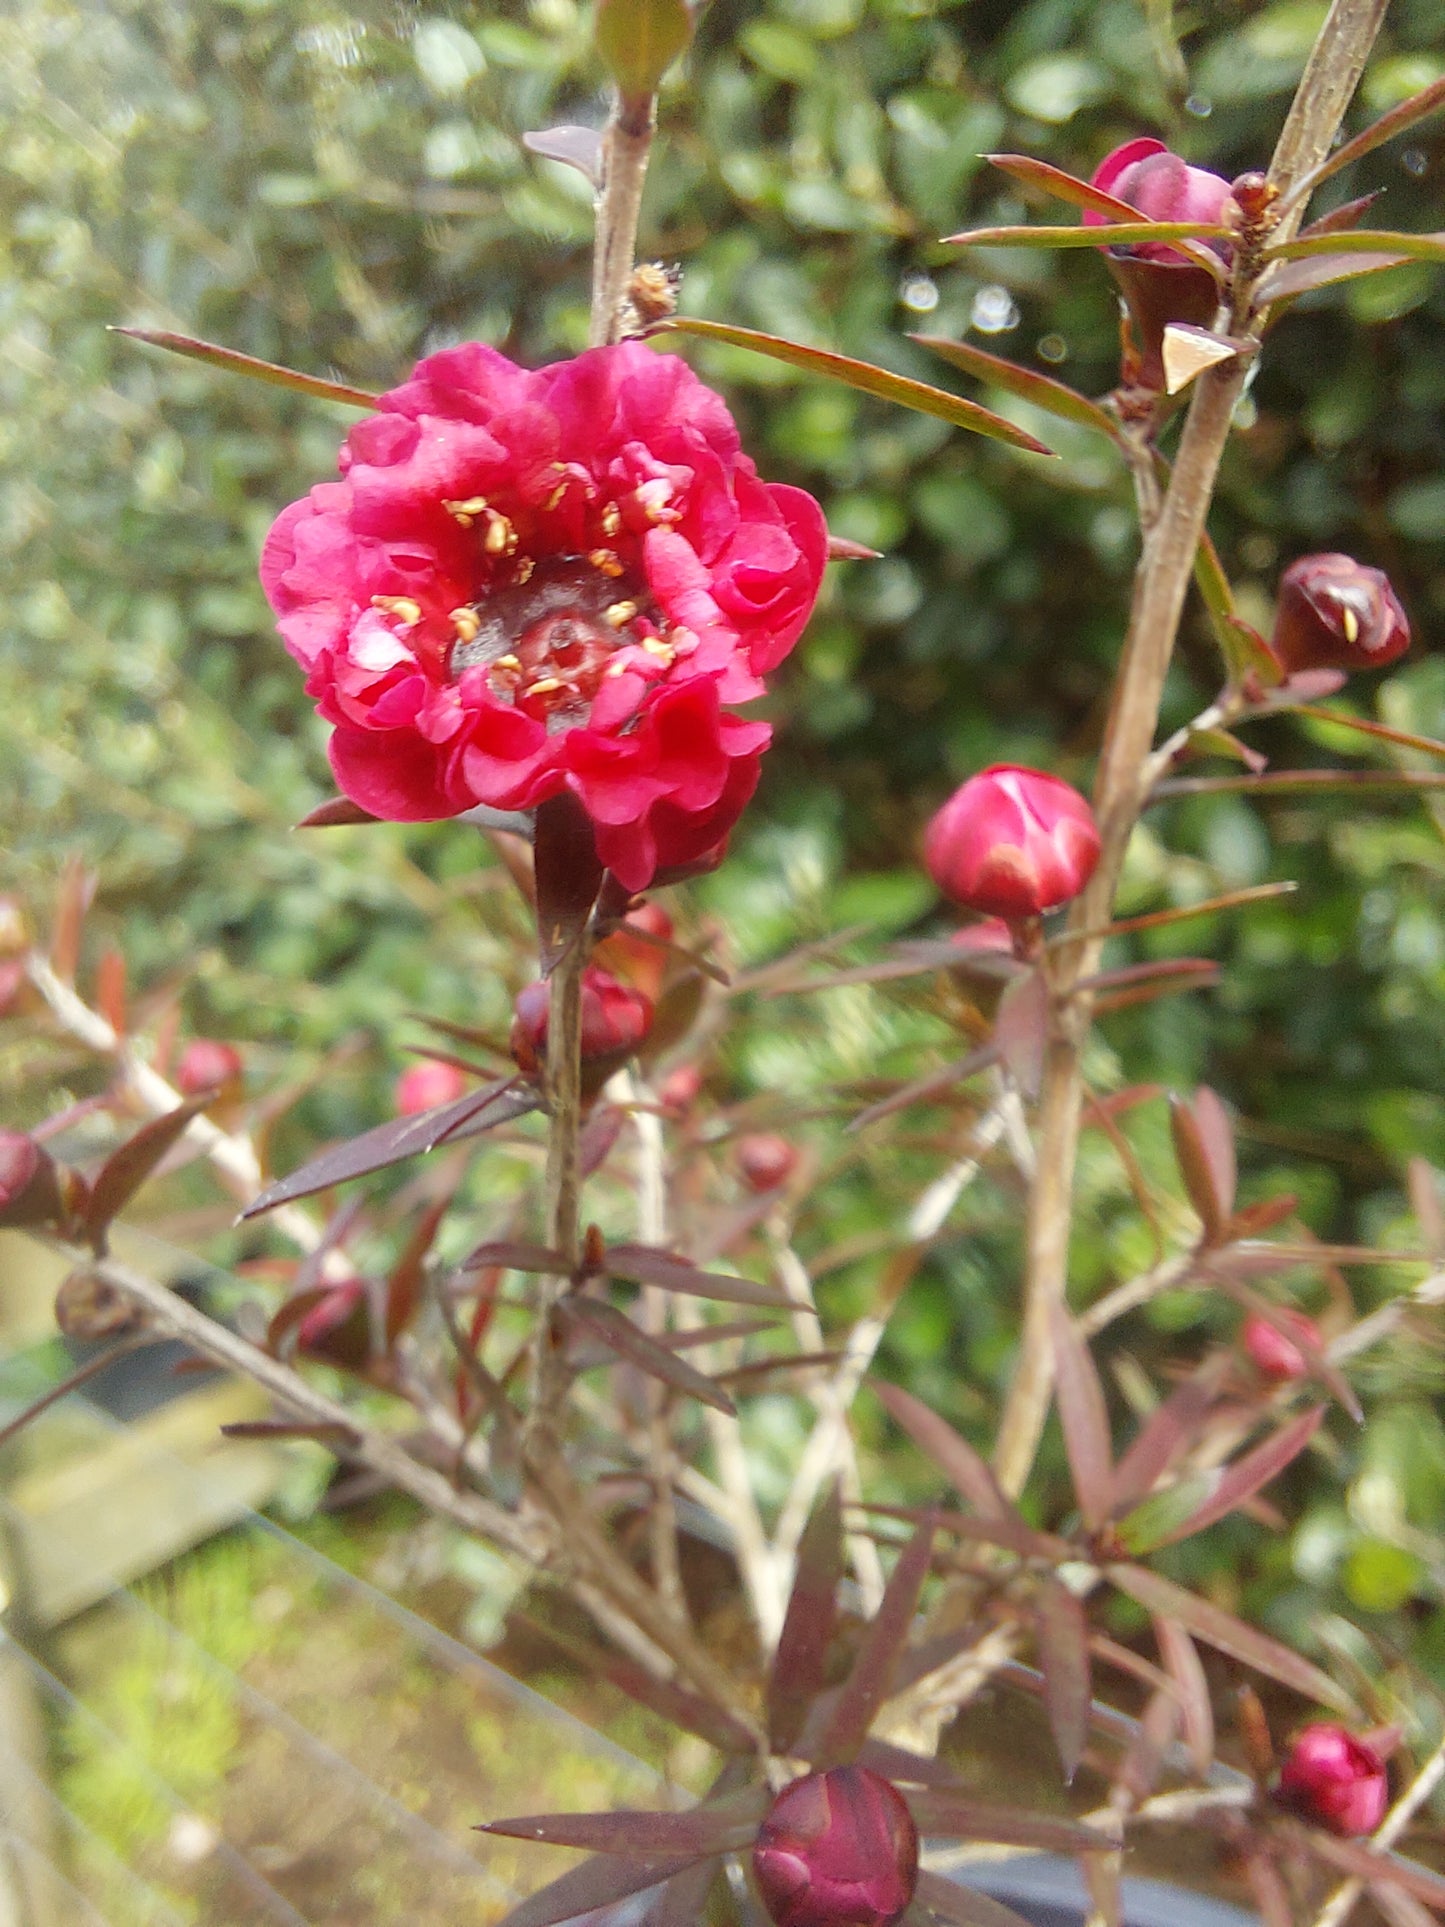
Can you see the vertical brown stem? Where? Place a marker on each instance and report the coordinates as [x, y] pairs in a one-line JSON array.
[[1161, 582], [626, 146]]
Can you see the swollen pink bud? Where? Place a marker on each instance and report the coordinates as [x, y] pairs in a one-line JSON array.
[[1273, 1354], [1334, 1779], [206, 1065], [29, 1181], [837, 1849], [1334, 613], [1012, 843], [615, 1020], [426, 1084], [1145, 174], [765, 1160]]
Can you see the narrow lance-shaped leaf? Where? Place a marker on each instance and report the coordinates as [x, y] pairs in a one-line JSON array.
[[800, 1663], [617, 1331], [1227, 1634], [1030, 386], [337, 1437], [1165, 1436], [965, 1818], [568, 874], [1208, 1182], [932, 1084], [231, 362], [1021, 1030], [1397, 121], [969, 1471], [868, 1684], [963, 1906], [1289, 279], [1251, 1474], [514, 1255], [651, 1267], [1085, 1420], [871, 380], [1053, 181], [1372, 1865], [1064, 1658], [400, 1138], [1118, 234], [673, 1702], [1414, 247], [683, 1903], [1244, 650], [407, 1277], [597, 1883], [905, 1768], [722, 1827], [1183, 1664], [130, 1164], [1382, 732]]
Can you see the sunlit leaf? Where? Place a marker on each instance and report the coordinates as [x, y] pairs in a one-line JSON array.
[[233, 363], [1121, 234], [870, 379], [800, 1663], [1165, 1436], [579, 147], [1042, 391], [1397, 121], [1411, 247], [1053, 181], [1064, 1661]]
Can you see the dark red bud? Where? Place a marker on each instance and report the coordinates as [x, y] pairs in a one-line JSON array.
[[615, 1020], [1336, 1780], [837, 1849], [1273, 1354], [765, 1160], [1012, 843], [338, 1327], [425, 1085], [1334, 613], [207, 1065], [29, 1181], [1162, 187]]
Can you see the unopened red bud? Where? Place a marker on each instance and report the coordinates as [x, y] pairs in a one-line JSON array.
[[1336, 1780], [1334, 613], [207, 1065], [765, 1160], [29, 1181], [837, 1849], [1273, 1353], [678, 1091], [423, 1086], [615, 1020], [1012, 843], [1162, 187]]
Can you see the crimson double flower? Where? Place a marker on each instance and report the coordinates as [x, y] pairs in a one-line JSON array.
[[535, 581]]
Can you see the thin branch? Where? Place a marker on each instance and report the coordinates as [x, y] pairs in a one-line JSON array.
[[626, 148]]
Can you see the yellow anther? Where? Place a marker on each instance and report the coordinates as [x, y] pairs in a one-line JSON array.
[[545, 686], [466, 623], [611, 519], [606, 561], [524, 569], [511, 663], [1350, 623], [618, 669], [501, 537], [555, 497], [400, 606], [476, 505], [619, 615], [662, 651]]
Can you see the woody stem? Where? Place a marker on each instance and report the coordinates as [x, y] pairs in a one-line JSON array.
[[626, 146]]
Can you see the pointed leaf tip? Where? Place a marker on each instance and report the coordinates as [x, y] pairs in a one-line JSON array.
[[232, 362]]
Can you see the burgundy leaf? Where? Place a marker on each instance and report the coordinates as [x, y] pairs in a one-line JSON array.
[[1143, 1761], [1428, 101], [1054, 182], [1012, 1533], [231, 362], [579, 147], [617, 1331], [407, 1278], [683, 1902], [648, 1266], [338, 1437], [1040, 390], [1064, 1657], [904, 1768], [1368, 1863], [284, 1321], [1227, 1634], [964, 1906], [969, 1471], [958, 1816], [722, 1827], [783, 1362], [128, 1167], [673, 1702], [1021, 1030], [931, 1085], [1250, 1474], [512, 1255], [1165, 1436], [569, 875], [868, 1684], [1271, 1896], [800, 1662], [871, 380], [72, 906], [595, 1884], [1216, 1135], [336, 812], [599, 1134], [400, 1138], [1251, 1219], [1085, 1420], [1186, 1669]]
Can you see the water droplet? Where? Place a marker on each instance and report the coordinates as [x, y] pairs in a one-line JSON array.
[[994, 311], [918, 292], [1246, 412], [1053, 348], [1415, 161], [1200, 105]]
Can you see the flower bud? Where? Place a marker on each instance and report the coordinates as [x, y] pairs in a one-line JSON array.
[[837, 1849], [1012, 843], [1334, 1779], [29, 1181], [765, 1160], [207, 1065], [1273, 1354], [337, 1328], [1334, 613], [424, 1085], [1145, 174], [678, 1091], [615, 1020], [633, 958]]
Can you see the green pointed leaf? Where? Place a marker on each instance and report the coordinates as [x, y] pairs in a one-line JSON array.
[[1040, 390], [869, 379], [1239, 1482], [1411, 247], [231, 362], [1244, 650], [1158, 1518], [1119, 234]]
